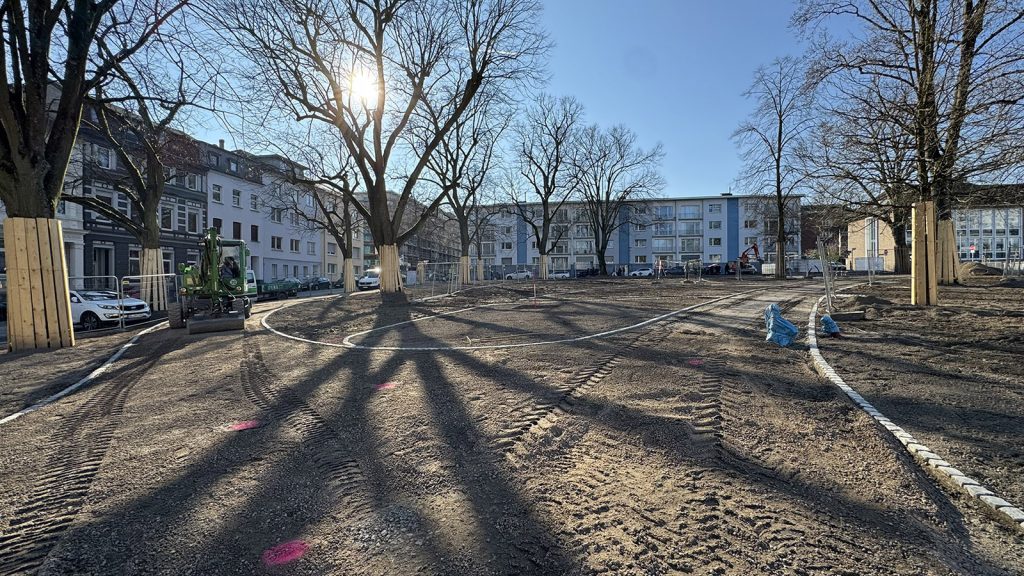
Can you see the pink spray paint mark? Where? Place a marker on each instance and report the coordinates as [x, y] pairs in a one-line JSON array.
[[387, 385], [246, 425], [285, 553], [695, 362]]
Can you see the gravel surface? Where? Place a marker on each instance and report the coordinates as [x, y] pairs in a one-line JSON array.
[[687, 445]]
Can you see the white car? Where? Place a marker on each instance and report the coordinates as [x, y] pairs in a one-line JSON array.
[[641, 273], [370, 280], [91, 308], [560, 275], [520, 275]]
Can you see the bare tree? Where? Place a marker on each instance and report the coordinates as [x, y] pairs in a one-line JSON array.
[[139, 110], [366, 68], [863, 158], [55, 54], [544, 181], [962, 64], [770, 139], [461, 166], [611, 171]]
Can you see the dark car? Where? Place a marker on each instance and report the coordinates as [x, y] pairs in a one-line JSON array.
[[315, 283], [675, 271], [711, 269]]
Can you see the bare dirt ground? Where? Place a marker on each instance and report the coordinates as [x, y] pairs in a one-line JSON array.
[[686, 445], [952, 376]]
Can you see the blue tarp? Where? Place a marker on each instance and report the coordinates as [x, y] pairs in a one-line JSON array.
[[780, 330], [829, 326]]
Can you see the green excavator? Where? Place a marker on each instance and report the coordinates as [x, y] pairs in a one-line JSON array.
[[213, 293]]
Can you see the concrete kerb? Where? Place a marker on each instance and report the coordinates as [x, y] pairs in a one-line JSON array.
[[924, 456], [85, 379]]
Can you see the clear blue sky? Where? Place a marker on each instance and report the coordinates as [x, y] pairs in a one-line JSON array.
[[673, 71]]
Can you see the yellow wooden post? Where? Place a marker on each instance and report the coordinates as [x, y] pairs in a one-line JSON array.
[[924, 277], [37, 294]]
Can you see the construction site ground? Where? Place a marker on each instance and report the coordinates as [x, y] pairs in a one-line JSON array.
[[560, 427]]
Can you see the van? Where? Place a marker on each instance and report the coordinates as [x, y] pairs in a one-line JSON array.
[[250, 284]]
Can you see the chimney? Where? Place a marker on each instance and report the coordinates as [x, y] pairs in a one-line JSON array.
[[221, 143]]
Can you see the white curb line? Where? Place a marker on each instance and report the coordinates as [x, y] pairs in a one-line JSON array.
[[85, 380], [926, 458]]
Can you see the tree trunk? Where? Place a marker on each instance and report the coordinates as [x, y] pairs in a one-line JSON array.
[[543, 272], [947, 257], [464, 267], [390, 273], [780, 248], [39, 311], [602, 263], [479, 269], [349, 274]]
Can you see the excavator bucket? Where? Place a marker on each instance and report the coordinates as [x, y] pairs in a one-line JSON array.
[[203, 324]]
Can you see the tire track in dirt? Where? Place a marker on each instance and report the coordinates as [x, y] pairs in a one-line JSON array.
[[344, 475], [82, 442]]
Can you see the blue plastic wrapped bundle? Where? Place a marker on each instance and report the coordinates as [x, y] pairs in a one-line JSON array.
[[780, 330], [829, 326]]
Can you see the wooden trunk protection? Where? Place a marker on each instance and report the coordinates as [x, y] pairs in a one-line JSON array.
[[925, 275], [38, 308]]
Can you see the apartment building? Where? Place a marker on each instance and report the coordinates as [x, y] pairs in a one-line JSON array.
[[710, 228], [246, 203]]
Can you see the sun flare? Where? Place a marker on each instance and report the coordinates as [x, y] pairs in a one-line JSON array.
[[364, 88]]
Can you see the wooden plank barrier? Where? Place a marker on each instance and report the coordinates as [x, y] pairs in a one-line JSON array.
[[924, 289], [39, 311]]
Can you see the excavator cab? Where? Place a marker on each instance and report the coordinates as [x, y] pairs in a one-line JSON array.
[[213, 293]]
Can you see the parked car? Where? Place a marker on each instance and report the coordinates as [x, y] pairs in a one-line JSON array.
[[316, 283], [642, 273], [92, 308], [711, 269], [370, 280], [519, 275], [277, 288], [588, 272], [675, 271], [340, 282], [559, 275], [838, 266]]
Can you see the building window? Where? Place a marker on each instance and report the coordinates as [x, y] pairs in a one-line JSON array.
[[311, 248], [639, 227], [273, 270], [133, 261], [663, 244], [192, 181], [640, 259], [750, 240], [663, 212], [356, 253], [236, 198], [584, 246], [584, 231], [215, 193], [217, 223], [254, 201], [689, 212], [714, 208], [750, 224], [506, 245], [254, 233], [332, 269], [236, 230], [714, 241], [640, 243], [664, 228], [233, 165], [689, 229], [715, 225], [276, 215], [103, 157], [690, 245], [332, 248], [167, 217], [214, 159], [193, 220], [275, 244], [293, 245]]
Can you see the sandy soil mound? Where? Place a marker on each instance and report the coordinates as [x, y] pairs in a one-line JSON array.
[[976, 269]]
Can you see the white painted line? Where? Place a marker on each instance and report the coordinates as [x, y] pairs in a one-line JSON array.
[[85, 380], [346, 343], [923, 455]]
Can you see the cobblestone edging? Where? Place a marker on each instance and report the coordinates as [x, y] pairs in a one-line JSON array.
[[926, 458]]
